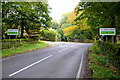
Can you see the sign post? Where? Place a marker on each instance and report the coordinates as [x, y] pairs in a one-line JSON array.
[[9, 42], [12, 32], [107, 32]]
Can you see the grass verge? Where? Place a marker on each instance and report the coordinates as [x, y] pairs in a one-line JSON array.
[[101, 68], [24, 48], [102, 64]]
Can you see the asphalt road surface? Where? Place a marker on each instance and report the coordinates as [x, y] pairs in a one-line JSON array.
[[60, 60]]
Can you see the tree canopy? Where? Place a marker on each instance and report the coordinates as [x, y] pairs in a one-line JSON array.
[[74, 29], [27, 16], [99, 14]]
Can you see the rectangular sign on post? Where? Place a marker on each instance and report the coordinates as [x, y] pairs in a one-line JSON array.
[[107, 31], [12, 31]]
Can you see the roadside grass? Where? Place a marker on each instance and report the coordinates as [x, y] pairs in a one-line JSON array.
[[24, 48], [101, 68], [103, 65]]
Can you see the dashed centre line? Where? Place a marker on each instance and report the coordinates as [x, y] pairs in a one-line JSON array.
[[35, 63], [63, 50], [63, 46], [29, 66]]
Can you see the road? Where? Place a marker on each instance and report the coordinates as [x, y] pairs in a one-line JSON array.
[[60, 60]]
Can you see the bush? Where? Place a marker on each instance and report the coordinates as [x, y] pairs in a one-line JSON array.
[[110, 48], [19, 42], [95, 48], [100, 67], [49, 35], [107, 63], [99, 60], [112, 51], [102, 72]]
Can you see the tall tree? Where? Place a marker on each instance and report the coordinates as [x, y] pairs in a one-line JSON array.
[[76, 29], [29, 16], [54, 24], [63, 23], [99, 14]]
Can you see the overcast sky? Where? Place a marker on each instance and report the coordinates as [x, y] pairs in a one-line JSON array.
[[60, 7]]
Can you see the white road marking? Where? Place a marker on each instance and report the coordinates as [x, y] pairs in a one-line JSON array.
[[62, 46], [72, 46], [79, 70], [63, 50], [29, 66]]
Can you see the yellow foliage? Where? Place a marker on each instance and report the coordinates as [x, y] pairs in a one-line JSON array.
[[71, 17], [83, 25], [69, 30], [80, 24]]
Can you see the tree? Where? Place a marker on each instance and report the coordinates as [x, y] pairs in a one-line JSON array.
[[99, 14], [74, 29], [28, 16], [63, 23], [54, 24]]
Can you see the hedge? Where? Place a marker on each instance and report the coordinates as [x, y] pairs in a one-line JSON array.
[[19, 42], [105, 63], [112, 51]]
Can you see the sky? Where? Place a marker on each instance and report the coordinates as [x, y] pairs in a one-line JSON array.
[[60, 7]]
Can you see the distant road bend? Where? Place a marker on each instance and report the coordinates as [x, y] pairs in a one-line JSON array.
[[60, 60]]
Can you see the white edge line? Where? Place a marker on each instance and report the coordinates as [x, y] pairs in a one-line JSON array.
[[29, 66], [80, 68], [63, 49]]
